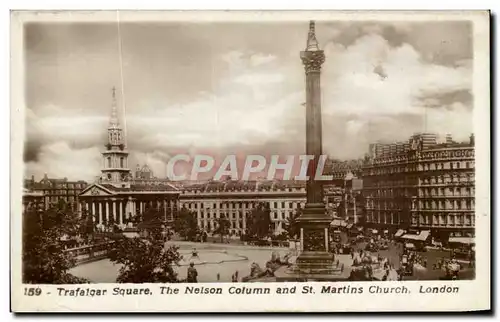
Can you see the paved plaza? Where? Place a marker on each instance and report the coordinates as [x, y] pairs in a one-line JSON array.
[[221, 259]]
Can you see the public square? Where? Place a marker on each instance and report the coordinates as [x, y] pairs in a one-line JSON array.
[[218, 262], [223, 260]]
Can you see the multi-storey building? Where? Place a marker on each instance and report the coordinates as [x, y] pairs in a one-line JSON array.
[[426, 186], [54, 190], [445, 201], [236, 199]]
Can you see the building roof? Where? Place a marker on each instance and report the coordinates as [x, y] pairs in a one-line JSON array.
[[141, 187], [235, 185]]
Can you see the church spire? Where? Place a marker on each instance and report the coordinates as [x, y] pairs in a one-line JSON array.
[[312, 42], [114, 123]]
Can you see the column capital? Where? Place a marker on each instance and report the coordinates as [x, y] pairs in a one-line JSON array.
[[312, 60]]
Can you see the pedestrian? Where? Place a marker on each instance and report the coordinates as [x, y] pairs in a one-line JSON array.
[[192, 274], [218, 277]]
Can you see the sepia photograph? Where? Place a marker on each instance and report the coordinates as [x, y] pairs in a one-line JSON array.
[[243, 154]]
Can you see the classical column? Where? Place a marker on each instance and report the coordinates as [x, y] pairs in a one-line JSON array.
[[93, 209], [120, 215], [114, 209], [107, 210], [314, 221], [100, 211]]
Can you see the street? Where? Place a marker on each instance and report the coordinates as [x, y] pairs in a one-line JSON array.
[[432, 256]]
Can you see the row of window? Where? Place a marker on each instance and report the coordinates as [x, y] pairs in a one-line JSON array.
[[392, 218], [446, 205], [448, 178], [239, 215], [447, 165], [447, 192], [457, 219], [241, 204], [421, 167], [61, 192]]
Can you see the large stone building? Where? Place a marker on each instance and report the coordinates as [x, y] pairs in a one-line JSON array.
[[421, 185], [115, 196], [54, 190], [236, 199]]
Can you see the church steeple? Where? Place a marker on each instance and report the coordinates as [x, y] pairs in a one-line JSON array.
[[312, 42], [114, 122], [115, 132], [115, 159]]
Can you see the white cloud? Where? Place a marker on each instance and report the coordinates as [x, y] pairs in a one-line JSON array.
[[258, 100], [59, 160]]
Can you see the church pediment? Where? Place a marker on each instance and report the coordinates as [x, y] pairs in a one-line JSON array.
[[96, 190]]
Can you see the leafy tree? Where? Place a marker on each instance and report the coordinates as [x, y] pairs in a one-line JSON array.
[[152, 221], [291, 225], [44, 237], [186, 225], [145, 260], [222, 227], [259, 221]]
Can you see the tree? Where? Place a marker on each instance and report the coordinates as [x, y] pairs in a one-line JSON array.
[[186, 225], [145, 260], [44, 236], [291, 225], [259, 221], [222, 227], [152, 221]]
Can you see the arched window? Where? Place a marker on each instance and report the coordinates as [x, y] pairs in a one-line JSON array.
[[122, 162], [109, 162]]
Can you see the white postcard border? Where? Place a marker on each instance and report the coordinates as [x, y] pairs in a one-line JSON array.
[[473, 295]]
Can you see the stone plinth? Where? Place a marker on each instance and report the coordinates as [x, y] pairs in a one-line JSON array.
[[323, 272]]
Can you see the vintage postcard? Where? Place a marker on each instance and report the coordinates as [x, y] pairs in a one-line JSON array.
[[310, 161]]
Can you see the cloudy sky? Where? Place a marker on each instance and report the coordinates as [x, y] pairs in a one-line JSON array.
[[228, 88]]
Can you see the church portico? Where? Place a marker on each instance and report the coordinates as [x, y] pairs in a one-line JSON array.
[[107, 205]]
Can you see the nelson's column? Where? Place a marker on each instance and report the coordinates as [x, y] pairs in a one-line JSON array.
[[315, 261]]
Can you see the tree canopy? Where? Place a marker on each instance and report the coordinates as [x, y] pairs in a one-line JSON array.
[[44, 235], [186, 225], [145, 260], [259, 221]]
